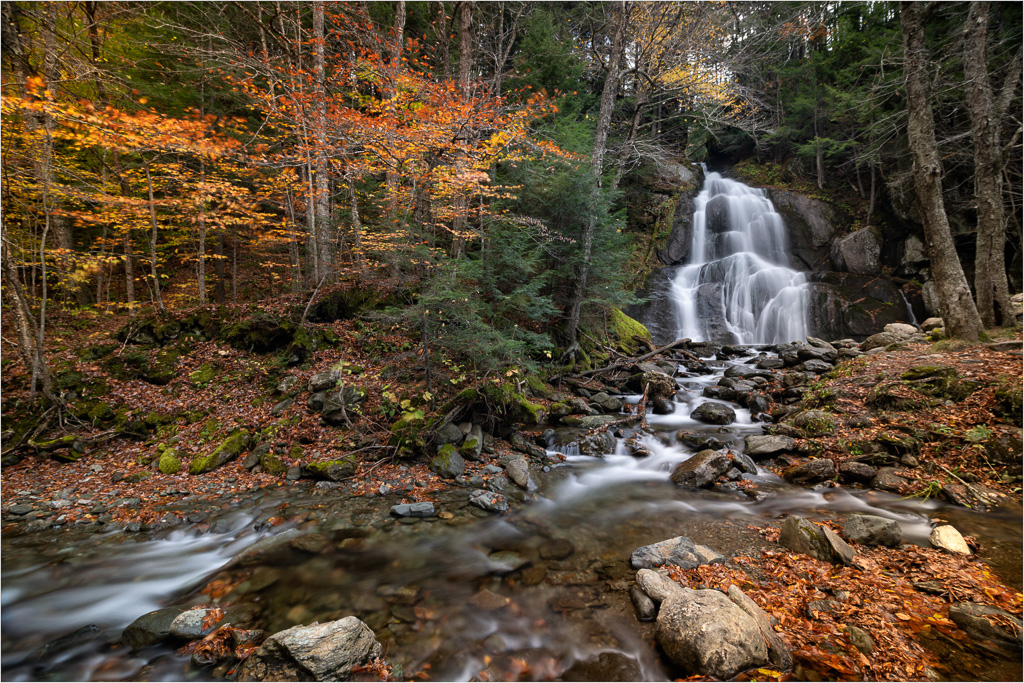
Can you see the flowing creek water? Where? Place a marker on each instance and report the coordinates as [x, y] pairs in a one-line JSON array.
[[557, 569]]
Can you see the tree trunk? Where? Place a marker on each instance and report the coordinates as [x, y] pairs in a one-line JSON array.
[[604, 120], [990, 284], [958, 310], [152, 242], [321, 193], [465, 46], [395, 53]]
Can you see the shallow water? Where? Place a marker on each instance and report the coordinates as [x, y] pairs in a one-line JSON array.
[[422, 584]]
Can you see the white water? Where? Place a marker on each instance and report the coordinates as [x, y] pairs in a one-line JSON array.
[[738, 287]]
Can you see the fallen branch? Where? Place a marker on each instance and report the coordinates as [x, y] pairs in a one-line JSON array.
[[633, 361]]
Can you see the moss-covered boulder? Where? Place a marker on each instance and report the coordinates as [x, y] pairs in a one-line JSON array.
[[349, 398], [272, 463], [938, 381], [332, 470], [229, 449], [624, 332], [95, 412], [512, 406], [95, 352], [815, 423], [127, 365], [170, 462], [448, 463], [164, 368], [206, 373], [260, 332]]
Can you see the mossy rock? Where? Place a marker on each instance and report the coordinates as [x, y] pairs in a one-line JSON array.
[[94, 412], [260, 333], [938, 381], [536, 386], [163, 368], [889, 395], [623, 329], [136, 477], [1009, 394], [448, 463], [332, 470], [70, 380], [273, 464], [96, 352], [126, 366], [347, 303], [169, 462], [511, 406], [307, 340], [229, 449], [409, 432], [899, 444], [206, 373], [209, 428], [201, 325], [51, 445]]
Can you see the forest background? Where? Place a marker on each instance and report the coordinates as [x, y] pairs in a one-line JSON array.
[[480, 174]]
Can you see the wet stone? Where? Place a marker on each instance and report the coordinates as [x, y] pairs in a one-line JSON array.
[[424, 509], [557, 549], [714, 413]]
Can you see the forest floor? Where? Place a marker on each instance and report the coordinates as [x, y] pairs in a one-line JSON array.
[[951, 444]]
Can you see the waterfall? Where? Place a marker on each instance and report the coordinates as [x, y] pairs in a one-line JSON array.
[[738, 287]]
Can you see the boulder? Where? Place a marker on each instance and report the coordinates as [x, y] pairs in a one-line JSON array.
[[859, 252], [323, 380], [341, 404], [873, 530], [657, 384], [714, 413], [932, 324], [949, 539], [705, 633], [778, 653], [609, 404], [519, 472], [976, 620], [880, 341], [448, 463], [819, 542], [852, 471], [448, 433], [319, 652], [888, 480], [701, 469], [189, 624], [814, 422], [767, 445], [904, 330], [700, 440], [645, 608]]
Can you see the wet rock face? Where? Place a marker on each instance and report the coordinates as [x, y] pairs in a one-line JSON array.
[[319, 652], [704, 632]]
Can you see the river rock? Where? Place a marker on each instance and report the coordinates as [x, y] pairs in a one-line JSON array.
[[448, 463], [860, 639], [189, 624], [645, 608], [661, 406], [714, 413], [767, 445], [700, 440], [873, 530], [608, 404], [657, 384], [701, 469], [319, 652], [881, 340], [344, 403], [656, 585], [448, 433], [679, 550], [607, 666], [808, 538], [588, 421], [744, 463], [902, 329], [888, 480], [852, 471], [932, 324], [519, 472], [974, 496], [778, 653], [150, 628], [949, 539], [556, 549], [487, 500], [423, 509], [770, 363], [810, 472], [973, 618], [816, 366], [703, 632]]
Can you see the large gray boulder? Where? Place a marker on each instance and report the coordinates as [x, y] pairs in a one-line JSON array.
[[873, 530], [703, 632], [778, 653], [657, 384], [819, 542], [701, 469], [859, 252], [679, 551], [318, 652]]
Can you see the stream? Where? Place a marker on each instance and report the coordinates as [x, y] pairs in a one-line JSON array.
[[537, 590]]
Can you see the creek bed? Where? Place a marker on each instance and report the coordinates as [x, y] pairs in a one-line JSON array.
[[539, 592]]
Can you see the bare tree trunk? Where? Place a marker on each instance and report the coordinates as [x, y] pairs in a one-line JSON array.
[[129, 273], [29, 348], [604, 120], [322, 193], [395, 53], [152, 242], [465, 46], [990, 283], [958, 310]]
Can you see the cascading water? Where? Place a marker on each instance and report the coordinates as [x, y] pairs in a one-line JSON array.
[[738, 287]]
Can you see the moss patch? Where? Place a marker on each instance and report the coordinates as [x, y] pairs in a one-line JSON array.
[[622, 329], [204, 375], [229, 449], [332, 470], [169, 462]]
